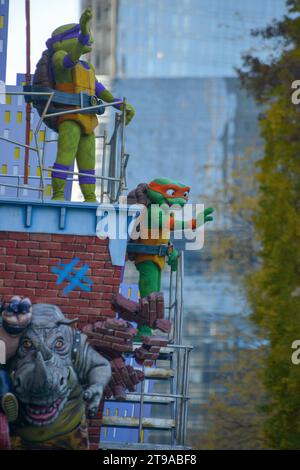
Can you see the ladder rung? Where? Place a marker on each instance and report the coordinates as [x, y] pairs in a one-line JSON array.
[[158, 373], [147, 400], [147, 423], [136, 446]]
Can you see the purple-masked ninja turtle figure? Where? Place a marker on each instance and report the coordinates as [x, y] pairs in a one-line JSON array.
[[75, 77]]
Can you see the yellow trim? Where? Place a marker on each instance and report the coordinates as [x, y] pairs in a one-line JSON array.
[[19, 117], [1, 22], [7, 117], [7, 99], [4, 169], [17, 153]]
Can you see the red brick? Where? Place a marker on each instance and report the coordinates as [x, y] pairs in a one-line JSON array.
[[6, 291], [36, 284], [100, 241], [24, 291], [2, 266], [106, 295], [51, 261], [40, 237], [63, 238], [11, 274], [39, 253], [84, 256], [100, 304], [74, 247], [90, 295], [49, 293], [9, 243], [17, 251], [16, 267], [79, 302], [28, 244], [18, 236], [111, 281], [27, 260], [49, 246], [3, 235], [83, 239], [71, 310], [61, 254], [29, 276], [45, 277], [108, 312], [54, 285], [14, 283], [8, 259], [74, 294], [99, 270], [96, 248], [97, 279], [101, 256], [34, 268]]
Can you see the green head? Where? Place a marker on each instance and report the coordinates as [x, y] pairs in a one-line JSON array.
[[65, 38], [168, 191]]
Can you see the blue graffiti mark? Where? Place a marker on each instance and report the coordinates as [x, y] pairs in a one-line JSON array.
[[76, 277]]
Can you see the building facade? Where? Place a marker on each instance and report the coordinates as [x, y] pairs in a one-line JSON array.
[[4, 4]]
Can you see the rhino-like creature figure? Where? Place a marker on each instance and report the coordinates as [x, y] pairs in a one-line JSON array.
[[56, 374]]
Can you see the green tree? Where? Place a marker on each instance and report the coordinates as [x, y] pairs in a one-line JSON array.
[[274, 288], [234, 417]]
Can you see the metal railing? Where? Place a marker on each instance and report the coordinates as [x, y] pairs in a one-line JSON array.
[[112, 164]]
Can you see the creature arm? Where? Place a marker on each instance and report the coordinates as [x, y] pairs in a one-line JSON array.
[[192, 224], [106, 95], [62, 59], [94, 372]]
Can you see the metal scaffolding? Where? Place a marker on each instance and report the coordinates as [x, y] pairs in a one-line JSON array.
[[171, 374]]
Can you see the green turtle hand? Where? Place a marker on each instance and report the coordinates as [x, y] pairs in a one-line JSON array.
[[85, 21], [130, 112], [173, 259], [205, 216]]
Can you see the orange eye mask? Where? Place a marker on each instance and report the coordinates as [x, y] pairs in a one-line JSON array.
[[170, 190]]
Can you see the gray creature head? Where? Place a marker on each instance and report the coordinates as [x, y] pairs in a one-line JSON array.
[[43, 371]]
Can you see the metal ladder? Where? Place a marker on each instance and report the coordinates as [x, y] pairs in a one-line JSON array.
[[168, 395]]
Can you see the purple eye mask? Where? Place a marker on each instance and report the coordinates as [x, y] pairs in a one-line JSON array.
[[72, 33]]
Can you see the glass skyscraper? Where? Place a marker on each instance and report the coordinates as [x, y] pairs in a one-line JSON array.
[[177, 38]]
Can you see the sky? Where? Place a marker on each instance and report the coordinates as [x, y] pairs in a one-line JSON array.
[[45, 17]]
